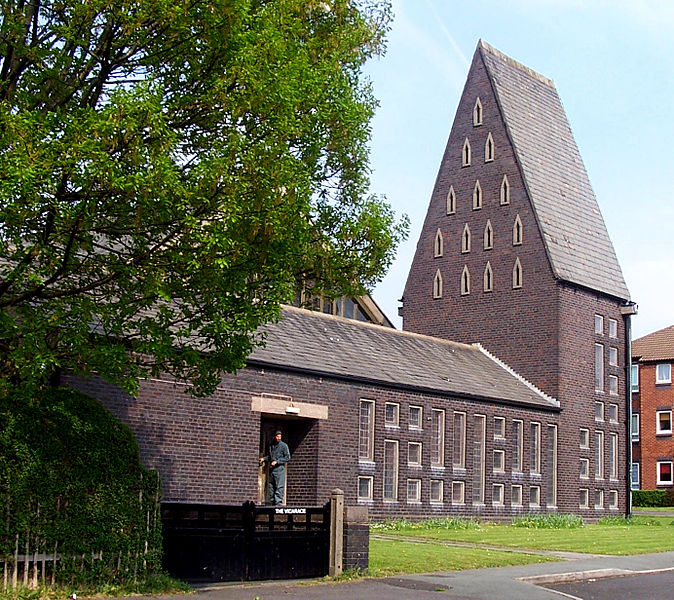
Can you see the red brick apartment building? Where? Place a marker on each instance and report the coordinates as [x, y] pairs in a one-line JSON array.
[[652, 404], [506, 393]]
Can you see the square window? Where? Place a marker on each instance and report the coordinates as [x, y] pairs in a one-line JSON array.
[[635, 427], [665, 472], [613, 356], [612, 328], [584, 438], [497, 494], [584, 498], [599, 498], [416, 417], [458, 492], [663, 373], [635, 377], [663, 422], [599, 324], [499, 428], [516, 495], [414, 454], [414, 490], [364, 489], [585, 468], [613, 499], [613, 385], [613, 413], [392, 415], [598, 411], [534, 496], [499, 460], [437, 486]]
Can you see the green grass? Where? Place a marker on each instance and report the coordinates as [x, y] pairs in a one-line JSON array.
[[656, 508], [620, 537], [396, 557]]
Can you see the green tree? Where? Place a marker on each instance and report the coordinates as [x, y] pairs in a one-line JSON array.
[[170, 170]]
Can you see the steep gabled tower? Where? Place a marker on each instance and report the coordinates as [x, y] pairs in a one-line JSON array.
[[527, 269]]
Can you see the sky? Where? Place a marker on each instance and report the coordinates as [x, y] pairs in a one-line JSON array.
[[612, 65]]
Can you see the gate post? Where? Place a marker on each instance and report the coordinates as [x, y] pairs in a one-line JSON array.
[[336, 532]]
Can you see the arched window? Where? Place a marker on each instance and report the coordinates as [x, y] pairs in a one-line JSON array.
[[517, 231], [488, 236], [465, 239], [466, 155], [477, 196], [439, 244], [477, 113], [517, 274], [451, 201], [488, 278], [437, 285], [489, 149], [505, 190], [465, 281]]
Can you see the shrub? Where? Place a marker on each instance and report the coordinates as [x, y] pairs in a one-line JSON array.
[[653, 498], [551, 521]]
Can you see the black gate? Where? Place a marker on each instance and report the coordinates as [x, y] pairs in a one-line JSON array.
[[205, 542]]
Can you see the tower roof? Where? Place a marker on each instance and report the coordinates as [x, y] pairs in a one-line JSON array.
[[576, 240]]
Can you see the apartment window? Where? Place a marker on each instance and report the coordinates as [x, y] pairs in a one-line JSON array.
[[477, 196], [635, 427], [497, 494], [534, 496], [634, 371], [465, 281], [613, 385], [516, 495], [664, 472], [599, 454], [365, 488], [451, 201], [584, 438], [598, 411], [584, 468], [414, 490], [437, 486], [392, 414], [499, 428], [599, 324], [477, 113], [505, 190], [438, 246], [466, 154], [479, 471], [459, 450], [518, 444], [438, 437], [663, 373], [489, 148], [663, 422], [465, 239], [551, 469], [390, 470], [635, 476], [584, 498], [613, 413], [366, 431], [535, 446], [599, 498], [613, 456], [414, 454], [458, 492], [517, 231], [488, 279], [612, 328], [613, 499], [613, 356], [599, 367], [416, 417], [499, 460], [517, 274], [488, 241]]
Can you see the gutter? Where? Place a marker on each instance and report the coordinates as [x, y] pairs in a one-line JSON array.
[[627, 310]]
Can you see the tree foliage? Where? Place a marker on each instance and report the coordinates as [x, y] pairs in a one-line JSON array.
[[170, 170]]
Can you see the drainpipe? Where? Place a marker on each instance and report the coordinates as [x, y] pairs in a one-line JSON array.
[[627, 310]]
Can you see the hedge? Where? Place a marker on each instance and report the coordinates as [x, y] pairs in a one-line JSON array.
[[650, 498]]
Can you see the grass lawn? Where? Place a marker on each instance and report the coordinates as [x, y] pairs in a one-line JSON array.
[[395, 557], [656, 508], [642, 535]]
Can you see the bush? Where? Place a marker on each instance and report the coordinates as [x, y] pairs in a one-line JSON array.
[[551, 521], [652, 498]]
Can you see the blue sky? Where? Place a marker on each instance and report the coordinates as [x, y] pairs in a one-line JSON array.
[[612, 63]]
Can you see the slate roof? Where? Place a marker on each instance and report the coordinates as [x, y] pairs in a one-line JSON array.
[[576, 240], [316, 343], [655, 346]]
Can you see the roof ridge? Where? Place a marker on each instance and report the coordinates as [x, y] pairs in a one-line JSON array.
[[515, 374], [643, 337], [512, 62]]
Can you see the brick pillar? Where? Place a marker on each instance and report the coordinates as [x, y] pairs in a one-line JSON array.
[[356, 538]]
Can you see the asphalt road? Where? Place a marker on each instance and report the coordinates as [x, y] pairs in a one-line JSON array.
[[649, 586]]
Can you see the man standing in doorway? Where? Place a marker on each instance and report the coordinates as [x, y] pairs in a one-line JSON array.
[[277, 457]]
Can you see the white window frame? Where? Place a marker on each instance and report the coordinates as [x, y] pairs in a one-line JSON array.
[[599, 411], [599, 324], [477, 195], [535, 495], [584, 498], [599, 455], [634, 376], [613, 456], [459, 458], [488, 278], [439, 244], [438, 484], [370, 481], [415, 497], [451, 201], [584, 468], [488, 236], [391, 446], [663, 373], [518, 231], [612, 413], [584, 437], [612, 355], [499, 428], [419, 447], [671, 472], [535, 447], [635, 476], [466, 238], [505, 191], [517, 274], [420, 424], [460, 487], [438, 437], [658, 428], [518, 446], [466, 154], [465, 281], [613, 499], [437, 285], [477, 113], [498, 494], [395, 422], [489, 149], [551, 466], [499, 461], [479, 458], [366, 438], [599, 499], [515, 491], [612, 328], [599, 367], [635, 427], [613, 385]]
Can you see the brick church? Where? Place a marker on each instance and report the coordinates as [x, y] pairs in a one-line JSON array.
[[505, 394]]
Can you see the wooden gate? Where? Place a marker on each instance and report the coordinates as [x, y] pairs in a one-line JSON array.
[[243, 543]]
